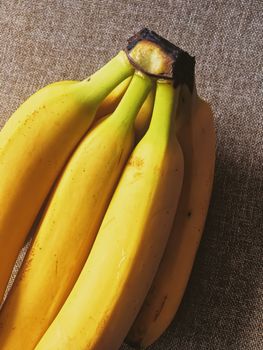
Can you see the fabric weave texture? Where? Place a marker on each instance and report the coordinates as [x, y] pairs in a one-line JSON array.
[[45, 41]]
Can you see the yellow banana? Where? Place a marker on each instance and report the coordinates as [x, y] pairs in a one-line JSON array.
[[196, 135], [119, 270], [35, 144], [70, 223]]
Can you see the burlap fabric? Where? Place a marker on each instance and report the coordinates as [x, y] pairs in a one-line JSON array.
[[43, 41]]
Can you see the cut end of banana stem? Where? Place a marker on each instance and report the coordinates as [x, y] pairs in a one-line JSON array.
[[157, 57], [151, 58]]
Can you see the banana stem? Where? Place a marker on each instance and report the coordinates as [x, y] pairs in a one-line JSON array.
[[166, 99], [133, 99], [156, 56], [101, 83]]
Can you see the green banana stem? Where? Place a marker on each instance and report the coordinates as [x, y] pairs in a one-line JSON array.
[[133, 99], [101, 83], [166, 99]]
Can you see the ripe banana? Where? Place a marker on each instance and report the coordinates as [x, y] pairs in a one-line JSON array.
[[196, 135], [35, 144], [70, 223], [119, 270]]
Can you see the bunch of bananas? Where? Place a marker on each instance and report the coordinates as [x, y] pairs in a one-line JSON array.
[[122, 165]]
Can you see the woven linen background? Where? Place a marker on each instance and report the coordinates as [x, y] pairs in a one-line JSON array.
[[44, 41]]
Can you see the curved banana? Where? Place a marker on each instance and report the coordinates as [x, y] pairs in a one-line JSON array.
[[69, 225], [35, 144], [119, 270], [196, 135]]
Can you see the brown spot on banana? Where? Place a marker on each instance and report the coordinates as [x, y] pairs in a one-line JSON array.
[[136, 162], [158, 311]]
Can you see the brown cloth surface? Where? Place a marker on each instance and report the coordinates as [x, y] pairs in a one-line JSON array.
[[44, 41]]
